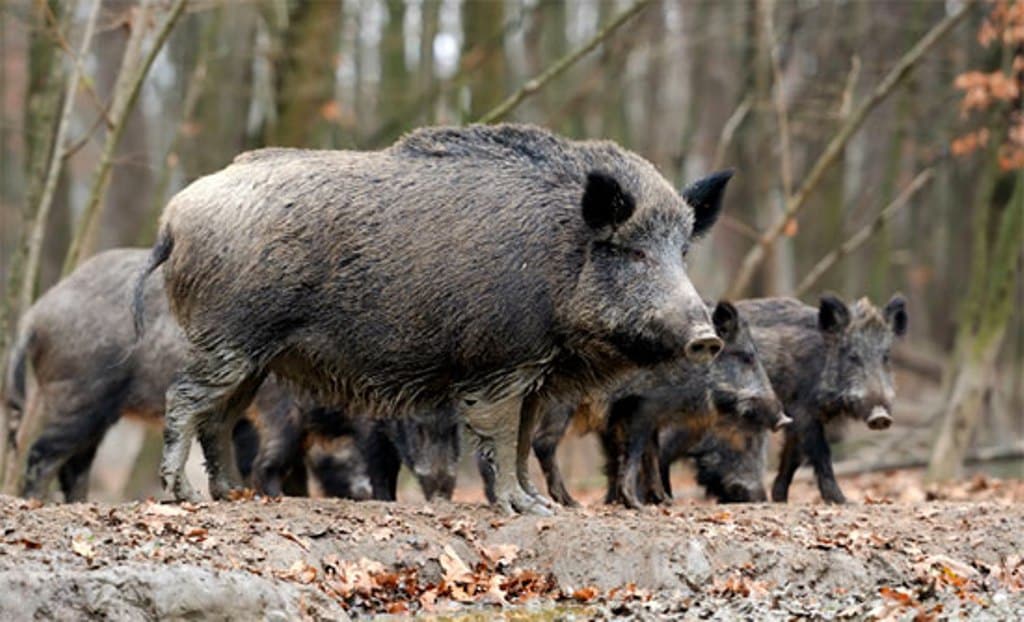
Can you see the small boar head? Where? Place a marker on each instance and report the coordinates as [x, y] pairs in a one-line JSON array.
[[856, 377], [633, 291], [341, 469], [730, 463], [428, 445], [740, 387]]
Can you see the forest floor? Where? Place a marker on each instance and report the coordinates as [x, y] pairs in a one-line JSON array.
[[949, 552]]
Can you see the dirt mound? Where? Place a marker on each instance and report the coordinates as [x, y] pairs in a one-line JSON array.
[[326, 559]]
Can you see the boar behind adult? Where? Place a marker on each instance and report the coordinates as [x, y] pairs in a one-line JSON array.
[[469, 266]]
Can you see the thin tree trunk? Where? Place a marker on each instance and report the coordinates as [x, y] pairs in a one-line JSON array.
[[35, 240], [981, 334], [489, 84], [129, 83], [43, 101], [534, 85], [304, 74]]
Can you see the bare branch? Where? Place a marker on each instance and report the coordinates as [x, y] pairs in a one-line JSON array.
[[38, 226], [756, 255], [864, 234], [537, 83], [779, 99], [729, 129], [130, 87]]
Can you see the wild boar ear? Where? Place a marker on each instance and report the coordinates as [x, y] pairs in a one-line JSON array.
[[705, 197], [726, 320], [605, 203], [833, 314], [896, 315]]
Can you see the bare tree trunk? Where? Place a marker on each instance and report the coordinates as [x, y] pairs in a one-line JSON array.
[[488, 86], [982, 328], [392, 93], [43, 101], [304, 74]]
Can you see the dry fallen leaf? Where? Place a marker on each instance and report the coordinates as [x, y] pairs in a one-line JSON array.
[[159, 509], [81, 547], [294, 538], [455, 570], [381, 534], [585, 594], [500, 554]]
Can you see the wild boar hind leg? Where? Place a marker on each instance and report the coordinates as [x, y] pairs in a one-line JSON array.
[[495, 424], [199, 401]]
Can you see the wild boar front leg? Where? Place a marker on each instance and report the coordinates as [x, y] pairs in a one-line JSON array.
[[496, 426], [820, 456], [789, 462]]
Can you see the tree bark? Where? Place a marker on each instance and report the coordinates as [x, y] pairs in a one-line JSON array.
[[304, 74]]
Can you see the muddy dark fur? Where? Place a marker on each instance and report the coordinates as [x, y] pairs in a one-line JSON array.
[[468, 266], [826, 364]]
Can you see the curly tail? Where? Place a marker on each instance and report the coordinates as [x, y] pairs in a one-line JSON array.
[[161, 251], [14, 397]]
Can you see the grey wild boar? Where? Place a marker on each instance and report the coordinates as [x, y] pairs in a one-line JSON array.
[[469, 266], [89, 371], [728, 401], [87, 368], [827, 364]]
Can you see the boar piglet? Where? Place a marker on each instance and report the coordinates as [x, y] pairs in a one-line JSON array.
[[729, 458], [344, 450], [734, 386], [470, 266], [827, 364]]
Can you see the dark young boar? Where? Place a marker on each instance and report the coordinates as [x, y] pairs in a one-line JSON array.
[[729, 459], [468, 266], [734, 386], [428, 445], [825, 364], [732, 393]]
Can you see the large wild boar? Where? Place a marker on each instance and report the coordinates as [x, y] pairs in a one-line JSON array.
[[826, 364], [470, 266]]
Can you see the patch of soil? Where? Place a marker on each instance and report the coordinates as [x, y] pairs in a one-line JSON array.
[[329, 559]]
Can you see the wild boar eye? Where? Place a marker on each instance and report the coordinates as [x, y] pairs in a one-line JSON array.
[[853, 359], [637, 255]]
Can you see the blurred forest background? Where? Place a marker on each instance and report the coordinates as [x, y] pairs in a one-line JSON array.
[[879, 147]]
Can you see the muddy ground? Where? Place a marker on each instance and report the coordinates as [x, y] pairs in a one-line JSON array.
[[954, 552]]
